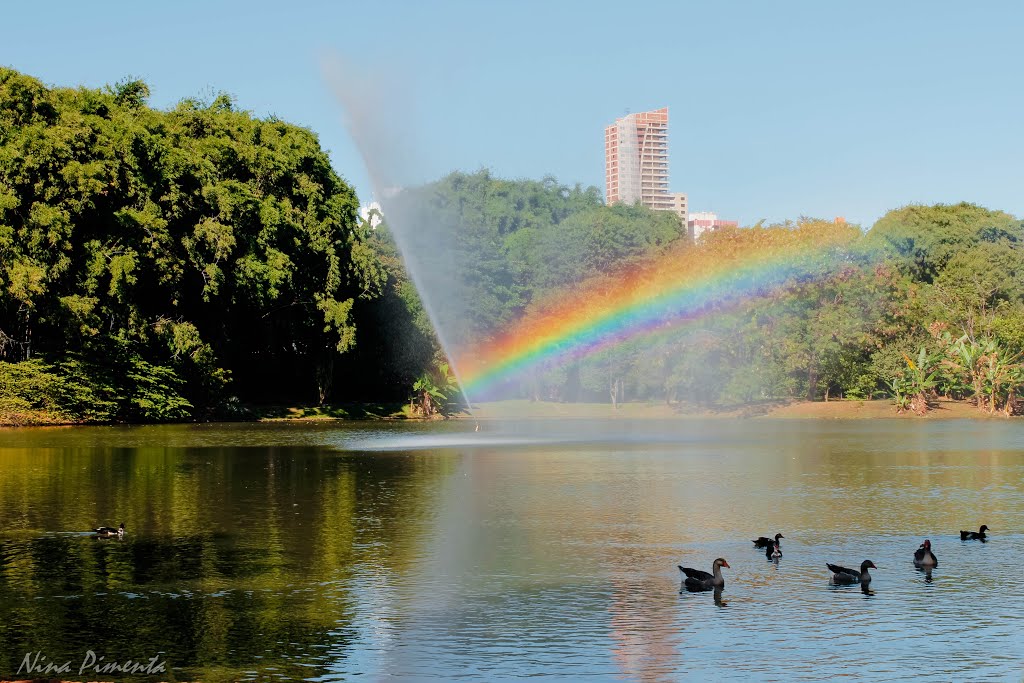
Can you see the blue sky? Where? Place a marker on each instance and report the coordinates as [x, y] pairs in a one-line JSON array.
[[777, 109]]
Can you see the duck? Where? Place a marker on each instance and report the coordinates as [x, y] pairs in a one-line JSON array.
[[978, 535], [765, 542], [924, 557], [842, 575], [697, 580], [108, 531], [774, 552]]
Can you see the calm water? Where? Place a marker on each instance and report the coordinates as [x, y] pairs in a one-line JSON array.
[[543, 549]]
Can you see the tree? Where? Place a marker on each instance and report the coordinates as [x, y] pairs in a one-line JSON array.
[[200, 240], [923, 239], [976, 283], [485, 249]]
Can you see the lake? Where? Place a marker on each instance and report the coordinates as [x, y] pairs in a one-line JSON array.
[[545, 549]]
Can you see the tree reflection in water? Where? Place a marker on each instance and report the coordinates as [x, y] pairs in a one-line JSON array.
[[233, 556]]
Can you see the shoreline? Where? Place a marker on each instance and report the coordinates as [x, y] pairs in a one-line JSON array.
[[844, 409]]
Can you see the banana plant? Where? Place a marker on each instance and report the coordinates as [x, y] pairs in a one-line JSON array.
[[921, 380], [898, 387], [433, 391], [1000, 375]]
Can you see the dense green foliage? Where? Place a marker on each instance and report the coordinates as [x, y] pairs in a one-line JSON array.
[[846, 330], [942, 280], [190, 247], [486, 248], [435, 393]]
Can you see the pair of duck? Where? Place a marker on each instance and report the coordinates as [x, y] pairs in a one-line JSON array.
[[699, 580], [772, 548], [924, 558]]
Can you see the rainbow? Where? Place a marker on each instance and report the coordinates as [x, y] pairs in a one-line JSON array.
[[680, 287]]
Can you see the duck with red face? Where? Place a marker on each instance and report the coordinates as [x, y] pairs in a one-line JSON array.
[[924, 557]]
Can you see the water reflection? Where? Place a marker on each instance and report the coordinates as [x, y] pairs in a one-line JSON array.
[[232, 557], [276, 554], [863, 586], [645, 643], [716, 593]]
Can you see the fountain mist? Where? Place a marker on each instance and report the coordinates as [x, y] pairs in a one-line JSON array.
[[378, 122]]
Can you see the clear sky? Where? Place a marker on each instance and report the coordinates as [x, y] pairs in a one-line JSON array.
[[777, 109]]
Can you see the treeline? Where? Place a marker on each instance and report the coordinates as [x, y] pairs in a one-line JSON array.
[[943, 280], [184, 264], [928, 302], [159, 265]]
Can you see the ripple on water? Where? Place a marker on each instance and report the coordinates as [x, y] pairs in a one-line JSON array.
[[532, 551]]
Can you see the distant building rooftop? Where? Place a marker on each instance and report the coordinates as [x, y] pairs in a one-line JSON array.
[[702, 221]]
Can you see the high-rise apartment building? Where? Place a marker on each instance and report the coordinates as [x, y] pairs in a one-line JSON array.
[[636, 160], [679, 206]]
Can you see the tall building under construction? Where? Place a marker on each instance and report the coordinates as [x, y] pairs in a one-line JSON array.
[[636, 162]]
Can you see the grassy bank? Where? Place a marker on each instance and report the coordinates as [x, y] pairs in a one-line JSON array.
[[19, 416], [834, 410], [942, 410], [344, 411]]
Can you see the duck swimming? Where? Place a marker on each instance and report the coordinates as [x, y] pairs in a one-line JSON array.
[[109, 531], [697, 580], [765, 542], [842, 575], [774, 552], [978, 535], [924, 557]]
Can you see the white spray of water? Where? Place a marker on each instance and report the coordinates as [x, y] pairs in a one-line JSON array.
[[378, 116]]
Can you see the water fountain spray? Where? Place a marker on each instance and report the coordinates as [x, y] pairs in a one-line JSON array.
[[372, 116]]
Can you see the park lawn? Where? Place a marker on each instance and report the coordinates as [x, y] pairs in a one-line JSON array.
[[839, 409]]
